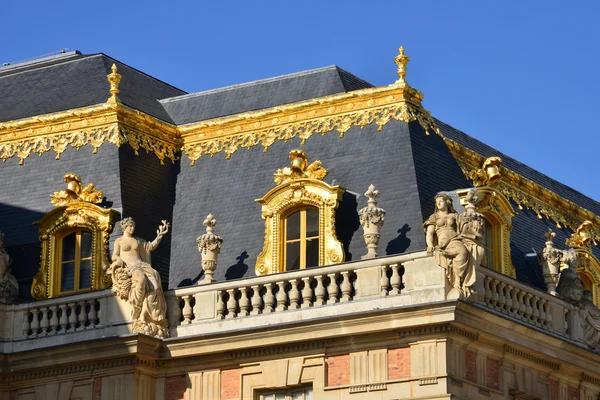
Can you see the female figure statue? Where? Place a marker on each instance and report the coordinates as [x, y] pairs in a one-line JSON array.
[[9, 287], [136, 281], [453, 240]]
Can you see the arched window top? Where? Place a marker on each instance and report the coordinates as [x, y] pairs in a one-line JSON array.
[[74, 240], [299, 218]]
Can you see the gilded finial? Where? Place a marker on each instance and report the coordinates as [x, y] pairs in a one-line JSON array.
[[401, 61], [489, 174], [114, 79]]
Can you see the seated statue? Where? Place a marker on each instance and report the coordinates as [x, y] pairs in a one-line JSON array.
[[455, 242], [570, 288], [136, 281], [9, 287]]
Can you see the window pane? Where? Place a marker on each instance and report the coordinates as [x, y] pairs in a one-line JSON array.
[[280, 396], [293, 226], [85, 274], [312, 222], [309, 394], [298, 395], [292, 256], [86, 244], [67, 277], [312, 253], [489, 244], [68, 247]]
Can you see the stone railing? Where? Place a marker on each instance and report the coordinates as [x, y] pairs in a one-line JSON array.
[[318, 292], [63, 320], [289, 297], [524, 303]]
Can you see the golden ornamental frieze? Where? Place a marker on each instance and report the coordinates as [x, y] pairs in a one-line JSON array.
[[255, 131], [525, 193]]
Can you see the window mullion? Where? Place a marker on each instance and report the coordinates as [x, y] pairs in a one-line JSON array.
[[303, 239], [77, 259]]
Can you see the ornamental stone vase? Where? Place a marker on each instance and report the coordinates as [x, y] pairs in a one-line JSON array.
[[371, 219], [209, 246]]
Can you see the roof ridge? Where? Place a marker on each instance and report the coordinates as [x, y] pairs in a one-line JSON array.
[[248, 84]]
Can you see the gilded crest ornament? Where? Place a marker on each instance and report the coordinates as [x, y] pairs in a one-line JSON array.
[[583, 238], [76, 192], [489, 174], [300, 169]]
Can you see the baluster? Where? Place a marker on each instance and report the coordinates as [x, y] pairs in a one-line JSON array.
[[92, 315], [528, 310], [72, 316], [306, 293], [346, 287], [244, 302], [82, 315], [256, 300], [281, 297], [507, 298], [220, 305], [269, 299], [501, 297], [294, 295], [385, 281], [515, 302], [320, 291], [536, 311], [187, 310], [487, 284], [522, 305], [541, 307], [26, 323], [333, 290], [494, 300], [395, 280], [44, 323], [548, 312], [64, 322], [231, 304], [35, 322], [176, 314]]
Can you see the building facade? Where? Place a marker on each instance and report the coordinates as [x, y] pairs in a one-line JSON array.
[[308, 236]]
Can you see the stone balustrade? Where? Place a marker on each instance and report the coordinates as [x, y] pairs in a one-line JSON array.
[[524, 303], [284, 298]]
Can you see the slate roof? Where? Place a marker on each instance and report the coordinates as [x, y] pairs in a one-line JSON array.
[[520, 168], [74, 81], [262, 94]]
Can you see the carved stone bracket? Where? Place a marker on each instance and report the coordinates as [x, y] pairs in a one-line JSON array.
[[371, 219], [209, 246]]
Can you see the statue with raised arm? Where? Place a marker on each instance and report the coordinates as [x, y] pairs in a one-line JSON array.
[[9, 287], [136, 281], [455, 242]]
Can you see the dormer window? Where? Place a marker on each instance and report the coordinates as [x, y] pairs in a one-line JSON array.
[[299, 219], [74, 238]]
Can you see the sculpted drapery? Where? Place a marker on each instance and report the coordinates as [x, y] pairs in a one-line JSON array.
[[136, 281], [455, 242], [9, 287]]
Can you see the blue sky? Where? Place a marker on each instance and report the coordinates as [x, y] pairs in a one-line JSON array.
[[522, 76]]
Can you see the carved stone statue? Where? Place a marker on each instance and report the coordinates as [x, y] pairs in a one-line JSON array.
[[9, 287], [551, 262], [570, 288], [209, 246], [371, 219], [136, 281], [455, 242]]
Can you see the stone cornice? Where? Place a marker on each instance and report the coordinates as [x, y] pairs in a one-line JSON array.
[[526, 193]]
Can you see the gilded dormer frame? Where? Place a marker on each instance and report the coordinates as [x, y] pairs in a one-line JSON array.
[[299, 186], [499, 213], [76, 207]]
